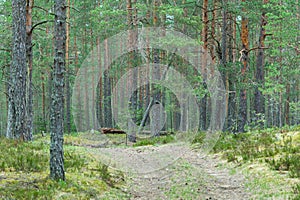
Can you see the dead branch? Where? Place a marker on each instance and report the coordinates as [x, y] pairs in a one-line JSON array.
[[4, 49], [243, 52], [39, 23]]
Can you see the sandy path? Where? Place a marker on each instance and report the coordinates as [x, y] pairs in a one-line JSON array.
[[173, 171]]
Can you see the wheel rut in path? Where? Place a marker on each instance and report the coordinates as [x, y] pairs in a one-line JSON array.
[[173, 171]]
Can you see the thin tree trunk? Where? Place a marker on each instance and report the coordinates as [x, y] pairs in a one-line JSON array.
[[43, 103], [67, 77], [29, 6], [287, 104], [156, 71], [57, 98], [93, 125], [131, 20], [230, 84], [213, 31], [107, 91], [244, 59], [259, 76], [79, 98], [100, 93], [86, 96], [224, 53], [203, 62]]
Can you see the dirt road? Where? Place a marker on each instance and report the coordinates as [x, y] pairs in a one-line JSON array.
[[173, 171]]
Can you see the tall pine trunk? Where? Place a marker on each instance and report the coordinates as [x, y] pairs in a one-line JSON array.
[[244, 59], [224, 53], [57, 94], [68, 90], [99, 93], [204, 100], [259, 76], [29, 55], [107, 90], [16, 123]]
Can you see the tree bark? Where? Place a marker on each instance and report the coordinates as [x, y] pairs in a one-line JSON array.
[[259, 75], [17, 118], [244, 59], [99, 87], [107, 91], [57, 98], [67, 77], [230, 84], [224, 53], [204, 100], [29, 55], [131, 22], [156, 68]]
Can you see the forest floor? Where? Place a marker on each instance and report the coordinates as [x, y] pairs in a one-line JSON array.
[[180, 170], [254, 165], [173, 171]]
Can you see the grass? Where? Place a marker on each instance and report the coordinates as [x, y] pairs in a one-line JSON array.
[[191, 182], [155, 140], [24, 173], [282, 154], [270, 150]]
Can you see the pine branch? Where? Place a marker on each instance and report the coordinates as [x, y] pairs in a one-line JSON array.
[[39, 23], [4, 49]]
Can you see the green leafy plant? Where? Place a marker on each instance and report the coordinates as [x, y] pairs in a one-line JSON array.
[[296, 190], [280, 154], [155, 140], [74, 161], [17, 156]]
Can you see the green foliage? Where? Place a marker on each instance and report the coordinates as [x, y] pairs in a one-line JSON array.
[[155, 140], [289, 161], [105, 174], [74, 161], [296, 189], [111, 179], [198, 138], [26, 176], [280, 153], [43, 188], [33, 157], [19, 156]]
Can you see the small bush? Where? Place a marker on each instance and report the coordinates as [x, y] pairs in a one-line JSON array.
[[295, 166], [155, 140], [73, 161], [263, 145], [287, 163], [199, 138], [296, 189], [104, 173]]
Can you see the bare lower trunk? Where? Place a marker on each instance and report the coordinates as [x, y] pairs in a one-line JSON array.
[[29, 56], [67, 77], [17, 118], [259, 99], [242, 120], [57, 95]]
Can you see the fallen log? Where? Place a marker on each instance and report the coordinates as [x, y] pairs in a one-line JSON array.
[[111, 131], [160, 132]]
